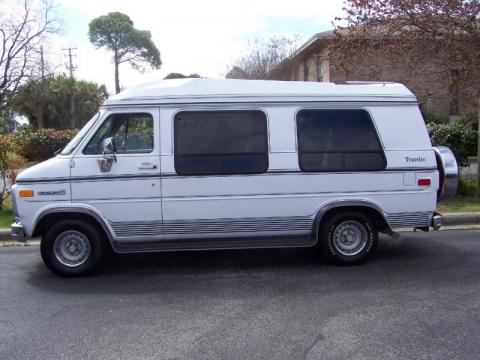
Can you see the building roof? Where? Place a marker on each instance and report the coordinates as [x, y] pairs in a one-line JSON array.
[[318, 36], [230, 90]]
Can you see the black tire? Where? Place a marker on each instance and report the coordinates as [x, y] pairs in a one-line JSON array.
[[336, 251], [97, 247]]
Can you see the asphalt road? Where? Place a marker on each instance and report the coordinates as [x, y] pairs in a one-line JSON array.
[[418, 298]]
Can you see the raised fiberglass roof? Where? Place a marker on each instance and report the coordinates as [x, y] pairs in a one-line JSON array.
[[229, 90]]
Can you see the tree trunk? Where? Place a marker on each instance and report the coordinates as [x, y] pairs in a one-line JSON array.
[[117, 80], [72, 106], [40, 119], [453, 92], [478, 158]]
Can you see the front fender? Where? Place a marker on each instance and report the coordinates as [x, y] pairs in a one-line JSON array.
[[73, 208]]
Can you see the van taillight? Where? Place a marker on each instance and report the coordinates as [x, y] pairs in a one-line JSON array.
[[424, 182]]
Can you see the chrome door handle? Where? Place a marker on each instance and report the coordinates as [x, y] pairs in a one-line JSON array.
[[147, 166]]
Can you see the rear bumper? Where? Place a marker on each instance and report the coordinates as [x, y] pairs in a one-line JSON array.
[[18, 232], [437, 221]]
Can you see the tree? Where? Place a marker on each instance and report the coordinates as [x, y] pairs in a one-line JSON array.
[[262, 57], [447, 32], [115, 32], [8, 122], [10, 163], [46, 102], [24, 24], [181, 76], [237, 73]]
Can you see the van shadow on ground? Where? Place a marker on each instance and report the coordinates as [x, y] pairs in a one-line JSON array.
[[410, 258]]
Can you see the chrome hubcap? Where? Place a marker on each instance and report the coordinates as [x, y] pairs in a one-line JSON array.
[[71, 248], [350, 237]]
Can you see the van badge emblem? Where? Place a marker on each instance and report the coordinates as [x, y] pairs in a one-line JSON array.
[[56, 192], [415, 159]]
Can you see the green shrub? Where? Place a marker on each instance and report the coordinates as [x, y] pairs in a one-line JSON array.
[[431, 118], [470, 121], [461, 139], [467, 186], [41, 144]]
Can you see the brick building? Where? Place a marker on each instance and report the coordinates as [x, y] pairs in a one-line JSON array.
[[314, 61]]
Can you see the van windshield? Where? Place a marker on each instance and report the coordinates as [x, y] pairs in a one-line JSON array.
[[72, 145]]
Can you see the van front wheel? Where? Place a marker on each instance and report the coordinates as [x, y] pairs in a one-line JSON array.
[[72, 248], [347, 238]]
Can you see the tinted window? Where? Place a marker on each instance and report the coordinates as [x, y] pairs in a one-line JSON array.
[[132, 133], [228, 142], [338, 140]]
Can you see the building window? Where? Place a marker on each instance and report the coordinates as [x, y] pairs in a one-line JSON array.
[[131, 133], [220, 142], [338, 140], [320, 74]]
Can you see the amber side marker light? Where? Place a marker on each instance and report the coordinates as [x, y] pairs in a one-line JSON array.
[[26, 193]]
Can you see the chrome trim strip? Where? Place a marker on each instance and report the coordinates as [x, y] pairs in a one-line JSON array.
[[47, 200], [203, 229], [291, 194], [304, 173], [118, 199], [174, 175], [230, 226], [266, 101], [244, 196], [90, 178], [42, 180], [412, 219]]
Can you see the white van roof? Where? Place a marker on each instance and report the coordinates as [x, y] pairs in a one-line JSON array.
[[229, 90]]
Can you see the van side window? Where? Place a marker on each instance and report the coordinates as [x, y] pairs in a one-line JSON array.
[[220, 142], [338, 140], [132, 134]]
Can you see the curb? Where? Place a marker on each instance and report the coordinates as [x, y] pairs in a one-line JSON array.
[[5, 235], [469, 218], [449, 219]]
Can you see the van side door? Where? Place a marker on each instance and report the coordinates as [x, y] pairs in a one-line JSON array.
[[216, 187], [124, 187]]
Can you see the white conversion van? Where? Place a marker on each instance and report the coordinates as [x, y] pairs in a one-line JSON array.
[[198, 164]]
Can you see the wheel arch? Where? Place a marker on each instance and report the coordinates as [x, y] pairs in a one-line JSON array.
[[372, 210], [58, 213]]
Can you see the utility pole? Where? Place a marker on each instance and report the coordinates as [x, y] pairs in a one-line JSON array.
[[42, 83], [71, 67], [42, 63]]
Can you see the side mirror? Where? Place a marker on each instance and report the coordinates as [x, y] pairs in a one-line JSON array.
[[108, 148], [108, 151]]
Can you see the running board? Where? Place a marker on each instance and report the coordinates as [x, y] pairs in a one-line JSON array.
[[212, 244]]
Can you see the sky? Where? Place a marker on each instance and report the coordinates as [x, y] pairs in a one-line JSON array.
[[201, 37]]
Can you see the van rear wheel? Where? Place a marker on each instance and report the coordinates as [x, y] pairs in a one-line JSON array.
[[347, 238], [72, 248]]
